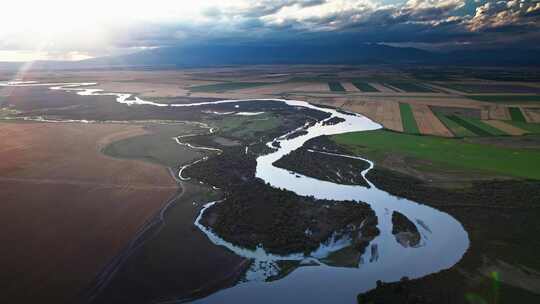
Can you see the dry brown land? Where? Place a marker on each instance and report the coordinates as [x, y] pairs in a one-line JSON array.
[[507, 128], [66, 208], [499, 113], [428, 123], [532, 115], [381, 88], [349, 87], [386, 113]]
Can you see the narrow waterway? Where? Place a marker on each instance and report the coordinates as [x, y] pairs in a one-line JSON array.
[[315, 279]]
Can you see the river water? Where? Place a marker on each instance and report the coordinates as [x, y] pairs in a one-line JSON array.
[[317, 277]]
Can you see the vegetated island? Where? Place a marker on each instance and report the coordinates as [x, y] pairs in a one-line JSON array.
[[255, 214]]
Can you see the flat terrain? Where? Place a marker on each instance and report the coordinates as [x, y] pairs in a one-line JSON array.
[[490, 185], [438, 154], [368, 90], [465, 141], [66, 208]]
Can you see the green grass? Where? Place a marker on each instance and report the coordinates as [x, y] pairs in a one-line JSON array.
[[506, 98], [336, 87], [407, 117], [516, 115], [477, 126], [457, 129], [364, 86], [227, 86], [157, 147], [411, 87], [246, 127], [446, 152], [531, 127]]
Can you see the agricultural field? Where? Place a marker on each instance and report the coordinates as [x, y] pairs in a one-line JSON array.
[[336, 87], [444, 153], [409, 122], [364, 86], [480, 88], [468, 154], [516, 114], [226, 86], [411, 87], [62, 198], [506, 98], [457, 129], [477, 126]]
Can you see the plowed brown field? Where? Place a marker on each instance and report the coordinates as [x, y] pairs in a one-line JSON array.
[[66, 209]]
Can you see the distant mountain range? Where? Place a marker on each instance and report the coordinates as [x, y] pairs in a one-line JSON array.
[[217, 55]]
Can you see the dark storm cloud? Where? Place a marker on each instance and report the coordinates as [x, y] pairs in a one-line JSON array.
[[437, 22]]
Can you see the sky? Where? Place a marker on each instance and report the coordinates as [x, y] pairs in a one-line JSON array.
[[77, 29]]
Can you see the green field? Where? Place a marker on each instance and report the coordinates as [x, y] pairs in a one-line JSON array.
[[445, 152], [407, 117], [476, 126], [506, 98], [411, 87], [457, 129], [336, 86], [157, 147], [227, 86], [246, 127], [516, 115], [364, 86]]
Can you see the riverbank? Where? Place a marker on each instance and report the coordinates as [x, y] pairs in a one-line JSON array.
[[501, 218], [500, 215]]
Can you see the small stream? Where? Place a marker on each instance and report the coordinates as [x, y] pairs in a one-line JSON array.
[[318, 277]]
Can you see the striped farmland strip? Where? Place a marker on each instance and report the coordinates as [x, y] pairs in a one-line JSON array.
[[456, 128], [336, 86], [428, 123], [477, 126], [350, 87], [532, 115], [530, 127], [497, 112], [516, 115], [407, 117], [364, 86], [411, 87], [391, 88], [506, 127], [388, 114]]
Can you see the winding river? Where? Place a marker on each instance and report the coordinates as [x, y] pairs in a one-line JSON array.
[[316, 278]]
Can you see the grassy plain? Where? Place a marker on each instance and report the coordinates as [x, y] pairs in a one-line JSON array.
[[246, 127], [520, 163], [158, 146]]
